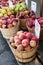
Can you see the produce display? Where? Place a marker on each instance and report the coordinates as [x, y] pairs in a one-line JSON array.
[[23, 41], [6, 4], [6, 11], [19, 7], [27, 14], [8, 21], [23, 44], [31, 23]]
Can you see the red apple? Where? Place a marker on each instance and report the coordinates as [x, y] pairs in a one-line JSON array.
[[35, 38], [25, 42], [18, 42], [10, 25], [9, 21], [12, 16], [22, 36], [41, 22], [29, 35], [20, 47]]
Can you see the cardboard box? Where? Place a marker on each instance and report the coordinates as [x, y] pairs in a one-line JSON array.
[[36, 5]]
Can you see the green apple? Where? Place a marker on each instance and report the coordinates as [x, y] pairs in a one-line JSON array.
[[3, 11], [1, 15]]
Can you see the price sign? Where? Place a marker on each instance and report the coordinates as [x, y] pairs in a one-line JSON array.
[[26, 2], [10, 4], [37, 28], [33, 6]]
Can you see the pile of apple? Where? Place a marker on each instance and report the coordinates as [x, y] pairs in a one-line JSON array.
[[27, 14], [19, 7], [23, 41], [31, 23], [16, 1], [6, 11], [8, 21], [3, 3]]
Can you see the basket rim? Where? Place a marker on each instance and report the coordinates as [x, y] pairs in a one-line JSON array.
[[9, 28], [25, 51]]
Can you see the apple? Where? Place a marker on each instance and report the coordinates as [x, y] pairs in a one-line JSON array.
[[12, 44], [27, 48], [12, 39], [16, 37], [22, 36], [3, 26], [14, 23], [29, 35], [25, 42], [35, 38], [12, 16], [9, 21], [20, 47], [18, 42], [0, 25], [19, 32], [3, 21], [33, 43], [10, 25]]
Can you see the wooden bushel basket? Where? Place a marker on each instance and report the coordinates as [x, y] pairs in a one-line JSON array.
[[32, 30], [9, 32], [24, 56], [23, 23]]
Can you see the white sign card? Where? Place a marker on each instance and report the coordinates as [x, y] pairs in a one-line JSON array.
[[26, 2], [37, 28], [33, 6], [10, 4]]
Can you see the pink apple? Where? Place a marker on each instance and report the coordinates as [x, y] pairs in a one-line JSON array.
[[29, 35], [3, 21], [22, 36], [35, 38], [18, 42], [11, 39], [9, 21], [19, 32], [12, 44], [20, 47], [10, 25], [12, 16], [0, 25], [27, 48], [41, 22], [25, 32], [25, 42], [16, 37], [3, 26]]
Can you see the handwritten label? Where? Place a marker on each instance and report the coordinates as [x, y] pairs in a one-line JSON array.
[[26, 2], [37, 28], [33, 6], [10, 4]]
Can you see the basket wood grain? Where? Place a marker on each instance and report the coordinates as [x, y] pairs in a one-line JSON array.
[[23, 23], [24, 56], [33, 31], [9, 32]]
